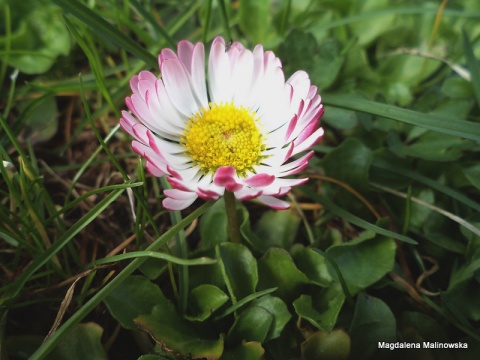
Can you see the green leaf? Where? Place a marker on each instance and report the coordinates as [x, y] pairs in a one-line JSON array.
[[248, 235], [472, 173], [251, 350], [134, 297], [204, 300], [464, 289], [368, 30], [340, 118], [38, 36], [432, 146], [178, 336], [363, 261], [457, 88], [41, 122], [213, 225], [255, 19], [419, 327], [327, 65], [349, 163], [240, 268], [82, 342], [323, 345], [322, 309], [277, 229], [314, 265], [277, 269], [373, 322], [253, 324], [420, 212], [277, 308]]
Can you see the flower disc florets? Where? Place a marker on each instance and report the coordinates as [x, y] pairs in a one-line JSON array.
[[235, 133], [224, 135]]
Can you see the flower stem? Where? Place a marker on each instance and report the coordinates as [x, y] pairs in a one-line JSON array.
[[233, 229]]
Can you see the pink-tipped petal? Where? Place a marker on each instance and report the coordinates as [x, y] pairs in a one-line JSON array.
[[178, 87], [175, 204], [178, 194], [247, 193], [259, 180], [273, 202], [225, 176]]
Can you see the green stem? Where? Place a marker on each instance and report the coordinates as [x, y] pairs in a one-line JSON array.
[[48, 345], [233, 228]]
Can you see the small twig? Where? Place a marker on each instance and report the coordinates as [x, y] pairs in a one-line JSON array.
[[426, 274]]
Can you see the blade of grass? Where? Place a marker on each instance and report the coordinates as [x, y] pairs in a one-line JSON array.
[[112, 158], [86, 195], [7, 43], [63, 240], [151, 20], [336, 268], [48, 346], [95, 65], [473, 65], [242, 302], [206, 26], [101, 26], [11, 92], [443, 212], [397, 169], [156, 255], [226, 26], [338, 211], [182, 252], [407, 10], [461, 128]]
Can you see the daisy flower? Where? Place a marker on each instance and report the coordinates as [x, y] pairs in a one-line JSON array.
[[235, 131]]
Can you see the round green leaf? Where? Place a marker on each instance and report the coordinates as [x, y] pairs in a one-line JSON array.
[[80, 343], [322, 309], [373, 322], [350, 163], [204, 300], [314, 265], [213, 225], [135, 296], [363, 261], [255, 19], [178, 336], [252, 325], [277, 308], [240, 268], [277, 229], [277, 269], [246, 351]]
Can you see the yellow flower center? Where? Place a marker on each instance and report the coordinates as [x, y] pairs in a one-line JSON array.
[[224, 135]]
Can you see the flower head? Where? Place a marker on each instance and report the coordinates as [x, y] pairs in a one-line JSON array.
[[236, 132]]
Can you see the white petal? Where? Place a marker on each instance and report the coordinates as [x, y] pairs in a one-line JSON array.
[[178, 87]]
